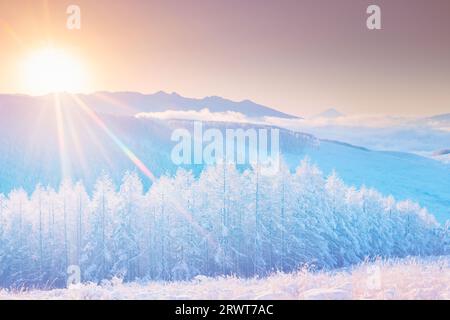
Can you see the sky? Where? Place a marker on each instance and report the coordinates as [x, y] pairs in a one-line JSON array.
[[299, 56]]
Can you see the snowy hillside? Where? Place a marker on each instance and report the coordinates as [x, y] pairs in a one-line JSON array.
[[394, 279], [403, 175], [126, 210], [32, 134]]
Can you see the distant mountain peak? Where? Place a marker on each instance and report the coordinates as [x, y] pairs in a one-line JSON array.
[[160, 93], [330, 113]]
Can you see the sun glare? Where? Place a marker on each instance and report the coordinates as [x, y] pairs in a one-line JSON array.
[[53, 70]]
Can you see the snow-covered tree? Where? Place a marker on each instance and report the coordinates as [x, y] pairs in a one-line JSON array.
[[225, 221]]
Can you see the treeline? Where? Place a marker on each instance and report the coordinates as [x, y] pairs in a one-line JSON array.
[[223, 222]]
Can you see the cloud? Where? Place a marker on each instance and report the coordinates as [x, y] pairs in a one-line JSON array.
[[202, 115], [378, 132], [367, 121]]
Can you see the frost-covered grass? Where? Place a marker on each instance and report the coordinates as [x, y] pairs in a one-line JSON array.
[[393, 279]]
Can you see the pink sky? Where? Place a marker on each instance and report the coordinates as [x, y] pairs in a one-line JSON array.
[[299, 56]]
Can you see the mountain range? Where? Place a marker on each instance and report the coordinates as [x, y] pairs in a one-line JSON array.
[[43, 139], [131, 103]]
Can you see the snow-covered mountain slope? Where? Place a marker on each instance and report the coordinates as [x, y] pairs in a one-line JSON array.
[[39, 142], [404, 175], [392, 279]]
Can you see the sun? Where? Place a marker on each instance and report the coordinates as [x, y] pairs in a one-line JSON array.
[[53, 70]]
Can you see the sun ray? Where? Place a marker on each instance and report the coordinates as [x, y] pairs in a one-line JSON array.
[[72, 120], [137, 162], [10, 31], [65, 166], [88, 130], [141, 166]]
